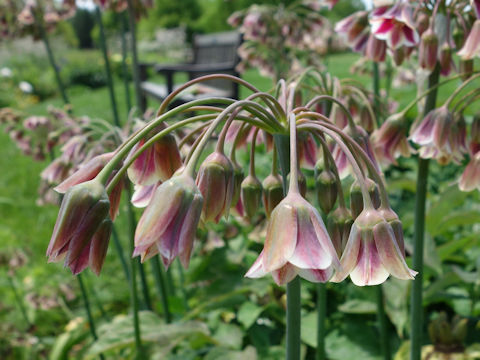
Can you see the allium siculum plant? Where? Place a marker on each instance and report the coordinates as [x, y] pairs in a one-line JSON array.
[[181, 194]]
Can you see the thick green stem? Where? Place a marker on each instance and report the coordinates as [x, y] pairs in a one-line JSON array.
[[103, 45], [282, 144], [162, 289], [321, 317], [128, 101], [382, 323], [418, 235], [51, 58], [136, 68], [86, 303]]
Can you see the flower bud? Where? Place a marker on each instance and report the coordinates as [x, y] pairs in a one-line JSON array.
[[339, 224], [427, 53], [445, 59], [251, 195], [238, 177], [84, 208], [458, 38], [302, 183], [356, 198], [215, 181], [466, 67], [272, 193], [326, 186], [399, 55], [421, 22]]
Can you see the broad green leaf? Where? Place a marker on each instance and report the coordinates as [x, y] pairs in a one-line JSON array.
[[248, 314], [229, 335], [468, 277], [219, 353], [64, 342], [450, 199], [430, 256], [309, 329], [453, 219], [451, 247], [357, 306], [119, 333], [396, 293]]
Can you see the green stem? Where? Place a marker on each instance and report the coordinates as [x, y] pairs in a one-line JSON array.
[[51, 58], [321, 317], [136, 69], [19, 300], [182, 286], [418, 235], [382, 324], [103, 45], [132, 223], [133, 293], [128, 101], [162, 289], [121, 255], [86, 303], [282, 144]]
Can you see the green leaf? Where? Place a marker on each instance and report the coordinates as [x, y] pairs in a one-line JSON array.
[[468, 277], [358, 307], [309, 329], [248, 314], [430, 256], [396, 294], [64, 342], [119, 333], [219, 353], [453, 219], [446, 250], [229, 335]]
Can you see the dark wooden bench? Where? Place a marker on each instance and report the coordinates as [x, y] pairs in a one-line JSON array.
[[212, 53]]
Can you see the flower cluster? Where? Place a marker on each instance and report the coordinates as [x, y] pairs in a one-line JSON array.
[[280, 41], [363, 240], [430, 32]]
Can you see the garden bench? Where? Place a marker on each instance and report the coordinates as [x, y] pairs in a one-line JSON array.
[[212, 53]]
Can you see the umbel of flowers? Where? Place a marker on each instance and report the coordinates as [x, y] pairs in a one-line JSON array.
[[363, 241]]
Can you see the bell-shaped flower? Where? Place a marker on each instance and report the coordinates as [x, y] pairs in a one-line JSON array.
[[356, 198], [376, 49], [471, 48], [169, 222], [158, 162], [216, 181], [372, 252], [440, 136], [88, 171], [93, 254], [470, 179], [85, 207], [395, 25], [326, 189], [390, 140], [445, 59], [355, 30], [297, 242]]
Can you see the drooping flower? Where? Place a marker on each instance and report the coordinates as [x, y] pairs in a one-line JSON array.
[[372, 252], [297, 242], [376, 49], [339, 224], [395, 25], [215, 181], [471, 48], [390, 140], [169, 222], [158, 162], [440, 136], [251, 194], [355, 30], [470, 179], [427, 52], [84, 209]]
